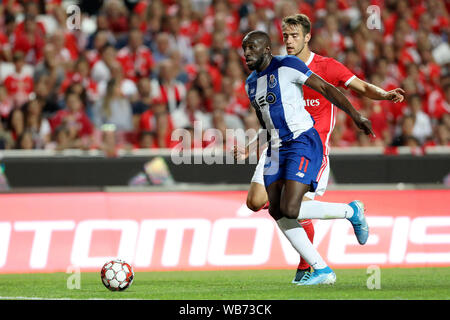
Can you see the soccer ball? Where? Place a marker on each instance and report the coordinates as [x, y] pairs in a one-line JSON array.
[[117, 275]]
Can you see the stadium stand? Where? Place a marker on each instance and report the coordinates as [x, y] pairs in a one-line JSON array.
[[132, 72]]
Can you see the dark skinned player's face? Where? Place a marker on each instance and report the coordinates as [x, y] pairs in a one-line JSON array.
[[254, 51]]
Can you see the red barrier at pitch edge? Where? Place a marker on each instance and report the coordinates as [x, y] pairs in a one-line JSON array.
[[211, 231]]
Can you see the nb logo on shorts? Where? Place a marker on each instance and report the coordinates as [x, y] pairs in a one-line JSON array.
[[300, 174]]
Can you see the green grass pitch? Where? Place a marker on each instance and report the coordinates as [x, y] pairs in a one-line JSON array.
[[396, 283]]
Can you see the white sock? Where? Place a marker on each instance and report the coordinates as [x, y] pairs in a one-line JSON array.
[[324, 210], [301, 243]]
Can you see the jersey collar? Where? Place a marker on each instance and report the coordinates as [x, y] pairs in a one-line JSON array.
[[311, 57]]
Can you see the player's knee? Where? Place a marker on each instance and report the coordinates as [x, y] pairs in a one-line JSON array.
[[255, 204], [290, 210], [252, 205], [274, 212], [256, 200]]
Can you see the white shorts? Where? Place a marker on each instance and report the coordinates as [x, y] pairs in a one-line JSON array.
[[324, 173]]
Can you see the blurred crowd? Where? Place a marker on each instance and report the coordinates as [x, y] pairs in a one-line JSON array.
[[125, 74]]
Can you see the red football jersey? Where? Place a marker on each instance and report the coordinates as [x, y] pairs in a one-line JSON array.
[[322, 111]]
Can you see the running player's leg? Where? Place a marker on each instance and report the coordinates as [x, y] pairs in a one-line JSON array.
[[353, 211], [302, 165], [290, 227]]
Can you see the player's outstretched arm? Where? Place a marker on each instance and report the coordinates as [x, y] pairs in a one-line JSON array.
[[252, 145], [371, 91], [338, 99]]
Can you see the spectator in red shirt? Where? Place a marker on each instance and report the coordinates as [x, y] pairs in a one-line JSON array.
[[166, 88], [75, 119], [136, 58], [19, 84], [16, 123], [117, 15], [158, 120], [202, 63], [30, 40]]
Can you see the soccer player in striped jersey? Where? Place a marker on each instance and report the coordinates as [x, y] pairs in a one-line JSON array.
[[295, 152], [297, 34]]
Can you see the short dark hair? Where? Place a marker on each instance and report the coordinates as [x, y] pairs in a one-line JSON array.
[[298, 19], [260, 35]]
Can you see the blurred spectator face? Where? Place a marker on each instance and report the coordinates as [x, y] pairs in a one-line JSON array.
[[144, 87], [34, 108], [25, 141], [234, 71], [331, 23], [102, 22], [193, 100], [101, 39], [147, 140], [219, 41], [50, 55], [17, 120], [41, 88], [220, 22], [425, 22], [166, 70], [57, 39], [29, 25], [416, 104], [412, 142], [173, 25], [443, 136], [407, 126], [82, 68], [73, 102], [201, 55], [135, 40], [19, 60], [227, 86], [109, 55], [32, 9], [116, 70], [219, 102], [285, 8], [162, 43], [62, 138], [203, 80], [77, 87], [134, 21], [389, 53], [109, 138], [446, 120]]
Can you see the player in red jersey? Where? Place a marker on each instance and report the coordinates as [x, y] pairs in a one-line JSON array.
[[296, 35]]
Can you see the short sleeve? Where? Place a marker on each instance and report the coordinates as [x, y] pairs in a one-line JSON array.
[[338, 74], [297, 69]]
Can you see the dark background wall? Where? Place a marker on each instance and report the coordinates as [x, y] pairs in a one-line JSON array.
[[85, 171]]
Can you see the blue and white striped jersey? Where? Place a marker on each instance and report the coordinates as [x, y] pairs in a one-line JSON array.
[[276, 93]]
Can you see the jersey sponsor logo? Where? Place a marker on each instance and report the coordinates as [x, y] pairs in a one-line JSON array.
[[271, 98], [272, 81], [311, 102], [261, 102]]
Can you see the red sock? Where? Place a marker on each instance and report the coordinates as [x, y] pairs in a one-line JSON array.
[[309, 229]]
